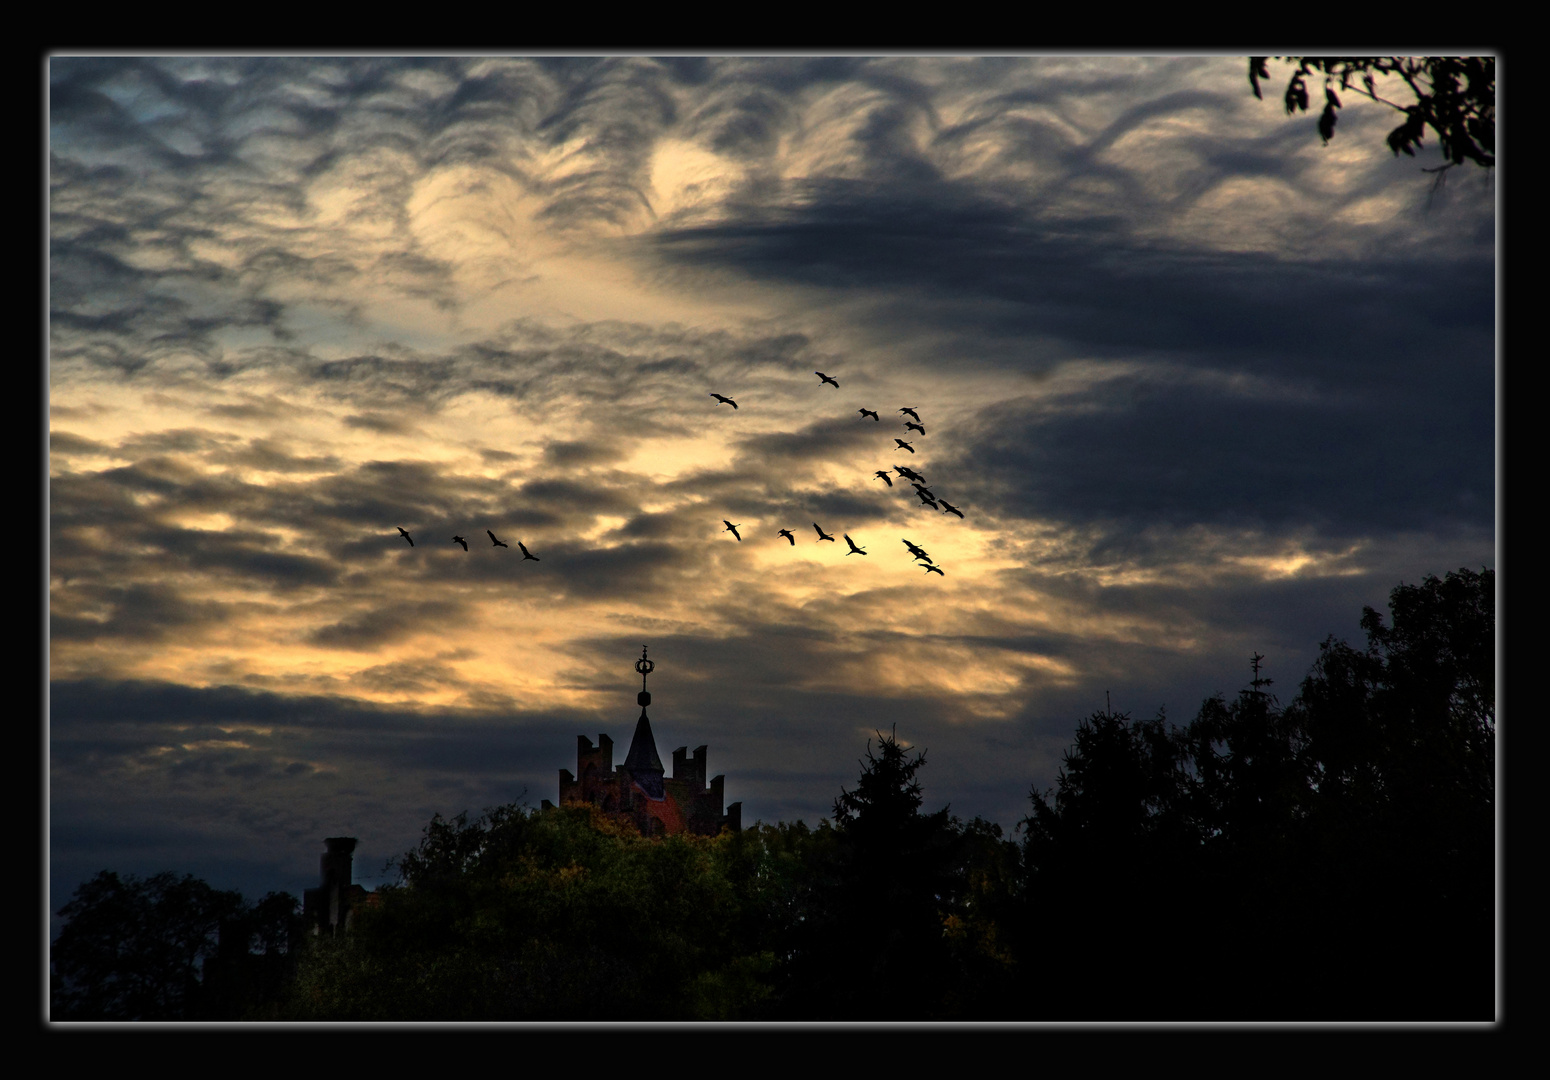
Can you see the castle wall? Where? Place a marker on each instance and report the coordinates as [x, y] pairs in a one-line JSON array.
[[688, 806]]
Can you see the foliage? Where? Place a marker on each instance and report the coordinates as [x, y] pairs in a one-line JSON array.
[[133, 949], [1454, 96], [1351, 831], [1329, 859], [564, 914], [902, 922], [255, 961], [1401, 754]]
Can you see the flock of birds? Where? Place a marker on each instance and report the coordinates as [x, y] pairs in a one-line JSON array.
[[927, 496], [526, 554]]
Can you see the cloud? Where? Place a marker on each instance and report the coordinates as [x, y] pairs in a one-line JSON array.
[[1201, 386]]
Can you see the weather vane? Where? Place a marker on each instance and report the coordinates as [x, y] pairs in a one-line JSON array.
[[645, 667]]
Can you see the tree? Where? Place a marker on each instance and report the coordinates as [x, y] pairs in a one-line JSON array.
[[1401, 829], [565, 914], [1115, 841], [874, 945], [133, 949], [1455, 97], [250, 974], [1332, 859]]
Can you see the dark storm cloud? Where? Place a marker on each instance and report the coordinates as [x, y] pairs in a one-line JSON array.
[[137, 612], [65, 444], [1140, 453], [1233, 405], [1092, 287], [272, 455], [626, 380], [384, 624], [633, 571], [101, 716], [381, 423], [240, 786], [816, 443], [409, 676], [568, 452]]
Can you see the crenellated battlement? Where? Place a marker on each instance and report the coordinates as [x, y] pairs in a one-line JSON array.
[[638, 790]]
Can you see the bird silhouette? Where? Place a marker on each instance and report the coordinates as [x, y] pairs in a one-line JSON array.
[[934, 570], [904, 445], [884, 477], [869, 412], [949, 508], [526, 554], [916, 550], [405, 535], [494, 541], [720, 399], [821, 534], [909, 410], [731, 528], [928, 500], [922, 489], [832, 382], [908, 473], [787, 534], [460, 540], [854, 550], [916, 427]]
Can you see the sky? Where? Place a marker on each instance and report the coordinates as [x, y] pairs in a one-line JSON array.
[[1200, 386]]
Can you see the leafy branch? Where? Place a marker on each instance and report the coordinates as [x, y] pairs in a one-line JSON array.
[[1454, 96]]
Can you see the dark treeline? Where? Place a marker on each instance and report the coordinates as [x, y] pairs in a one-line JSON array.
[[1330, 858]]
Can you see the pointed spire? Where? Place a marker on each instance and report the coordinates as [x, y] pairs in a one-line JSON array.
[[643, 763]]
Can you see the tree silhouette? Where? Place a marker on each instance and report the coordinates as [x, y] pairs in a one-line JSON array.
[[1454, 97], [255, 959], [873, 946], [133, 949], [1401, 753], [1118, 837], [559, 915], [1332, 859]]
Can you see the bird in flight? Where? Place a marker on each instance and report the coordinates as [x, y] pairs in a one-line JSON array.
[[821, 534], [917, 551], [922, 489], [460, 540], [494, 541], [869, 412], [911, 411], [927, 499], [854, 550], [832, 382], [526, 554], [949, 508], [731, 528], [934, 570], [787, 534], [908, 473], [720, 399], [405, 535], [883, 477], [917, 427], [904, 445]]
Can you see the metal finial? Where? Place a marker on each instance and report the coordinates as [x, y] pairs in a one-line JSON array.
[[645, 667]]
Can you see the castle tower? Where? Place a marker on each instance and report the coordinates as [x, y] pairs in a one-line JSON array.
[[327, 908], [639, 790]]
